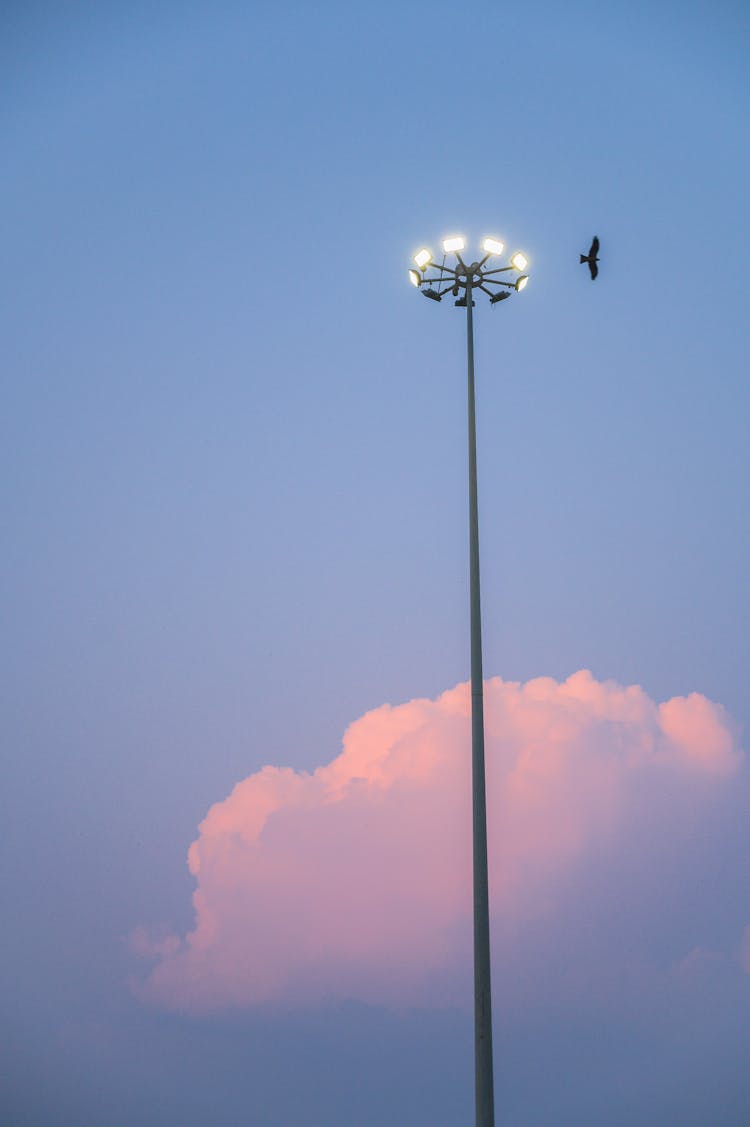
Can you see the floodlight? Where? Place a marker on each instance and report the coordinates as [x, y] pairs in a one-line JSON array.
[[499, 297], [520, 261], [454, 243], [492, 246], [521, 283], [415, 278], [423, 258], [433, 294]]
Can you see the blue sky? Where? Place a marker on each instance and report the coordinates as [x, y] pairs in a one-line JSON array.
[[233, 452]]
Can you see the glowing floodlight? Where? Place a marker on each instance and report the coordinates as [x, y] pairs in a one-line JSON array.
[[436, 277]]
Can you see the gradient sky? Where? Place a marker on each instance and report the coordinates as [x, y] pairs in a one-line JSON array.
[[234, 527]]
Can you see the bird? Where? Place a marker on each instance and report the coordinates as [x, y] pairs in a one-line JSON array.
[[591, 257]]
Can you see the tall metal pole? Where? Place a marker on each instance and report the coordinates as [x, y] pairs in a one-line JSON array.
[[435, 284], [483, 1079]]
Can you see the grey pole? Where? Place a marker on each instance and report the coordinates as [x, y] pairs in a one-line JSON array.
[[483, 1079], [441, 280]]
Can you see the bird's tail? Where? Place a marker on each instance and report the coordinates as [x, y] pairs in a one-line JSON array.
[[584, 258]]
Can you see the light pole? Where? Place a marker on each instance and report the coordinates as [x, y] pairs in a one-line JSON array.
[[461, 281]]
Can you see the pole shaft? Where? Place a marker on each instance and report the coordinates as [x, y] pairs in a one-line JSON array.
[[483, 1078]]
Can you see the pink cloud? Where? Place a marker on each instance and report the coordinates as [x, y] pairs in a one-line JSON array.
[[355, 880]]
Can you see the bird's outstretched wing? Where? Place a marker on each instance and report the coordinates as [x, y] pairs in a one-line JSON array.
[[594, 247], [593, 268]]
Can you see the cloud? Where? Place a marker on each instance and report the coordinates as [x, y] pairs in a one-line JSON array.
[[355, 880]]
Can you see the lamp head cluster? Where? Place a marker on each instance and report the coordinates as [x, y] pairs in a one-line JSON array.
[[460, 278]]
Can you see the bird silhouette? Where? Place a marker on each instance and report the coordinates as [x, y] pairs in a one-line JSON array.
[[591, 258]]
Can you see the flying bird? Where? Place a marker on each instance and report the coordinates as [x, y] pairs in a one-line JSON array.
[[591, 257]]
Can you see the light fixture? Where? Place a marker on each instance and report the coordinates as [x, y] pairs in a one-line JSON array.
[[490, 274]]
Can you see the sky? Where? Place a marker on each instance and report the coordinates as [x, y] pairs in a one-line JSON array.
[[234, 722]]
